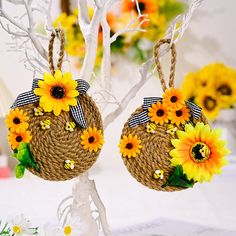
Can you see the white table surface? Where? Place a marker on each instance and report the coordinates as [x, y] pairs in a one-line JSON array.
[[127, 202]]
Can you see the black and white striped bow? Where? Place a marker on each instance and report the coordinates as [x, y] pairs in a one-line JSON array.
[[142, 117], [76, 111]]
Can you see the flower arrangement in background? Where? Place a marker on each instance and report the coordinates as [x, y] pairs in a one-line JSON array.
[[212, 88], [136, 45]]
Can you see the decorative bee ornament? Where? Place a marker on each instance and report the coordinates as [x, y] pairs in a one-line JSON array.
[[55, 129], [167, 144]]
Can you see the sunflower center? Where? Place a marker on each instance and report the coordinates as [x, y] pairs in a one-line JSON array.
[[57, 92], [19, 138], [225, 90], [209, 103], [142, 6], [160, 112], [16, 121], [179, 113], [173, 99], [16, 229], [91, 139], [200, 152], [67, 230], [129, 146]]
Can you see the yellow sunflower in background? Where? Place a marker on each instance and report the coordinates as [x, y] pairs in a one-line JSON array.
[[15, 138], [225, 86], [145, 6], [92, 139], [158, 113], [180, 116], [57, 92], [173, 98], [209, 103], [16, 120], [130, 146], [200, 151], [189, 86]]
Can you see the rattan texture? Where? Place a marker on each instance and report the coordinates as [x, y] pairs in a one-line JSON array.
[[155, 149], [53, 146], [154, 154]]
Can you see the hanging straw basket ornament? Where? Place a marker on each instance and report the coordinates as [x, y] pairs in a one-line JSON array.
[[55, 130], [167, 144]]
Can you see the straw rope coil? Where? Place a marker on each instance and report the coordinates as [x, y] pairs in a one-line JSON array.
[[155, 149]]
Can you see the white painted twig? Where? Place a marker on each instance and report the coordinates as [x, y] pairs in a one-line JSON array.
[[173, 32]]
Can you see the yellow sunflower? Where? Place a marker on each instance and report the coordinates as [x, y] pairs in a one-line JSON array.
[[57, 92], [180, 116], [189, 86], [16, 120], [225, 86], [92, 139], [130, 146], [145, 6], [15, 138], [200, 151], [173, 98], [209, 103], [158, 113]]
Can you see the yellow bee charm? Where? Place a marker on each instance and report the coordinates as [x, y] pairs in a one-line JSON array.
[[205, 152], [70, 126], [171, 129], [69, 164], [38, 111], [151, 128], [45, 124], [158, 174]]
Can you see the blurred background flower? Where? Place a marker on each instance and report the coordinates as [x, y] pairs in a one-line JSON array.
[[213, 88], [134, 45]]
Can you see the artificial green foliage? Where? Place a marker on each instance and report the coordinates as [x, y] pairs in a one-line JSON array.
[[172, 8], [178, 179], [19, 171], [5, 229], [26, 159]]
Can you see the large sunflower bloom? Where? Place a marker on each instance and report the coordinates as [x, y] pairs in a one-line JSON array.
[[180, 116], [209, 103], [145, 6], [16, 120], [57, 92], [173, 98], [200, 151], [158, 113], [130, 146], [15, 138], [92, 139]]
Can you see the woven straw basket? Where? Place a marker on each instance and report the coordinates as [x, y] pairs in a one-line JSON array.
[[154, 155], [52, 147]]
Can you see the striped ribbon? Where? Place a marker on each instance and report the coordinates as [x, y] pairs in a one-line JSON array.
[[76, 111], [142, 117]]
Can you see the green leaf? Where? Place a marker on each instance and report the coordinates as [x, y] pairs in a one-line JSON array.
[[20, 170], [178, 179], [25, 157]]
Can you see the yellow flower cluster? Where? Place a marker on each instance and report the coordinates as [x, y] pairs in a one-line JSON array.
[[17, 123], [172, 108], [212, 88]]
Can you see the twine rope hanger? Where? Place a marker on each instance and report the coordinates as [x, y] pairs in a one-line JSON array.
[[172, 66], [61, 36]]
